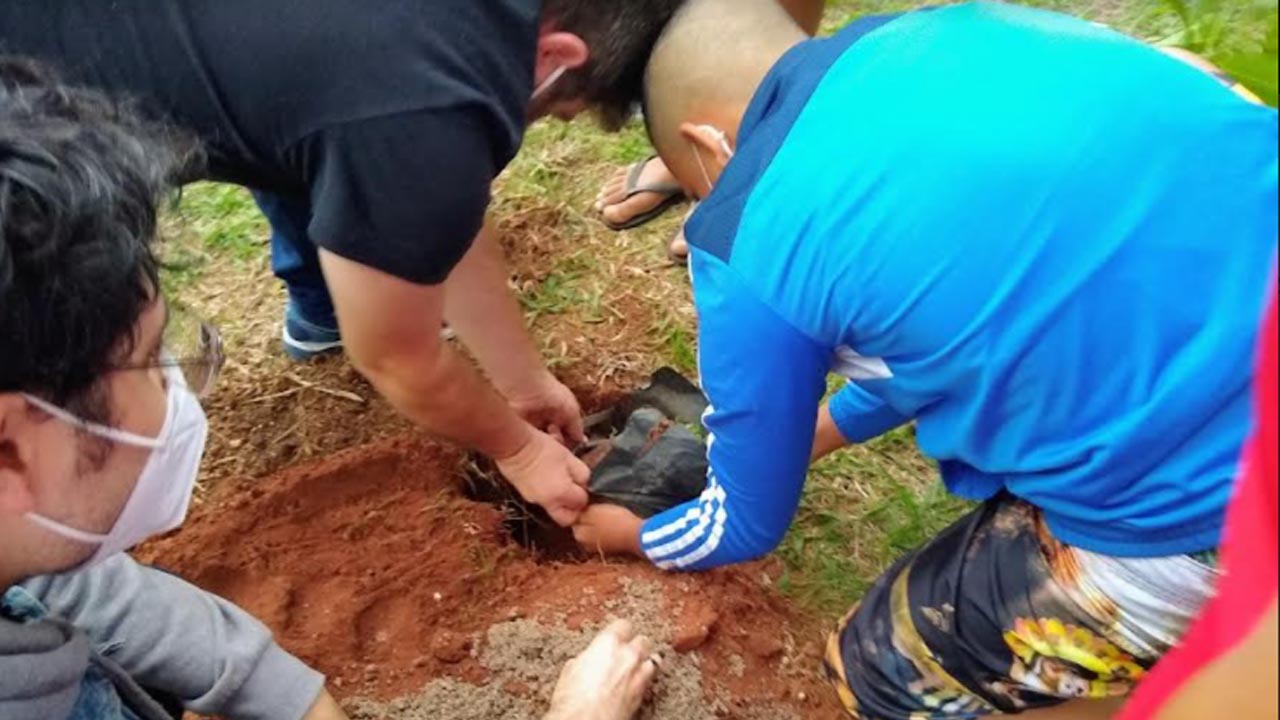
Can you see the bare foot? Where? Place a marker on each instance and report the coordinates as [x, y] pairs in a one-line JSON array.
[[617, 209], [678, 249], [609, 680]]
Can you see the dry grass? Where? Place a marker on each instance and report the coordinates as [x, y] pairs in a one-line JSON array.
[[603, 304]]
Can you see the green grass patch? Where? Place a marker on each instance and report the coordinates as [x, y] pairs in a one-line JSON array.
[[863, 508], [550, 165], [557, 294], [679, 345], [1240, 36], [1146, 19], [226, 220], [180, 268], [573, 286], [632, 145], [209, 223]]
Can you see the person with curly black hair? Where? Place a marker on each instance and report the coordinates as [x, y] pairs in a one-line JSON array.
[[370, 135]]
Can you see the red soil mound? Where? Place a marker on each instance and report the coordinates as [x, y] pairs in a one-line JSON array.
[[373, 567]]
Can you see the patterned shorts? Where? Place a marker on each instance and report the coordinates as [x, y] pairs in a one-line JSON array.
[[995, 616]]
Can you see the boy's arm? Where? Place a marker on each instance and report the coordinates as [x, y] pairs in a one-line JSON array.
[[175, 638], [764, 380], [853, 415], [827, 438]]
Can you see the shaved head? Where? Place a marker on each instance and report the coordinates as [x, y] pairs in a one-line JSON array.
[[707, 65]]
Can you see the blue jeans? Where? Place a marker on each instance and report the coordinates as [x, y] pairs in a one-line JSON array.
[[295, 259]]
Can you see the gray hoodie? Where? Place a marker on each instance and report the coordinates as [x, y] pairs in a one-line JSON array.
[[137, 626]]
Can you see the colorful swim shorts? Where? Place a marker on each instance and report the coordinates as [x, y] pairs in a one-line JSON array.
[[996, 616]]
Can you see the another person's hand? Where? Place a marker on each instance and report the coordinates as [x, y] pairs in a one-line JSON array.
[[547, 474], [609, 680], [548, 403], [609, 529]]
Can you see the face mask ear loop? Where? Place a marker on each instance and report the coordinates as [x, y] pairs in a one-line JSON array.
[[702, 167], [68, 532], [546, 84], [723, 139], [109, 433]]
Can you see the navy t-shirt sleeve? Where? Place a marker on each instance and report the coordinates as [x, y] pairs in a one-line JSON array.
[[405, 194]]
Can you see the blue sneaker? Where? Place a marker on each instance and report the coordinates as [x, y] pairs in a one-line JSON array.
[[304, 340]]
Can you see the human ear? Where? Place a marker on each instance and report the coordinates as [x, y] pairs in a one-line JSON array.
[[711, 150], [16, 441], [560, 50], [711, 140]]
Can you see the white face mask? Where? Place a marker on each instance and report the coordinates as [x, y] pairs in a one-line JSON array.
[[724, 145], [548, 83], [162, 495]]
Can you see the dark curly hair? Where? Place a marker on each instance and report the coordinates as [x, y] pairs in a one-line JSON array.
[[80, 178], [621, 35]]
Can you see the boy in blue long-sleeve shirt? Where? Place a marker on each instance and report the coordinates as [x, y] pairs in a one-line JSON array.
[[1045, 244]]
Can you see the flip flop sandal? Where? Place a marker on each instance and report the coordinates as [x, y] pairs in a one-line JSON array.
[[672, 194]]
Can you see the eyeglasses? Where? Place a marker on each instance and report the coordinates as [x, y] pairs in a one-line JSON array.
[[202, 364], [192, 346]]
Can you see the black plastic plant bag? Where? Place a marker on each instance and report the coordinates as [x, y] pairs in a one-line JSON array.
[[656, 462]]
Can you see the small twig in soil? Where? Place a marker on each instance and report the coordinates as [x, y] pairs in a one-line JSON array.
[[345, 395], [291, 430], [277, 395]]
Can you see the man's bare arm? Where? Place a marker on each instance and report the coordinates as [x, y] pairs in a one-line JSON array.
[[482, 309], [391, 330]]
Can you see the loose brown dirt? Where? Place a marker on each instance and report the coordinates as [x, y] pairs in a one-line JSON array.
[[372, 566]]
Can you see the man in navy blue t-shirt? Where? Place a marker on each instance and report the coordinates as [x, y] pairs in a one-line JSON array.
[[371, 135]]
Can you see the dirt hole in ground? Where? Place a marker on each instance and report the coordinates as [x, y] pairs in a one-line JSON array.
[[528, 525], [375, 567]]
